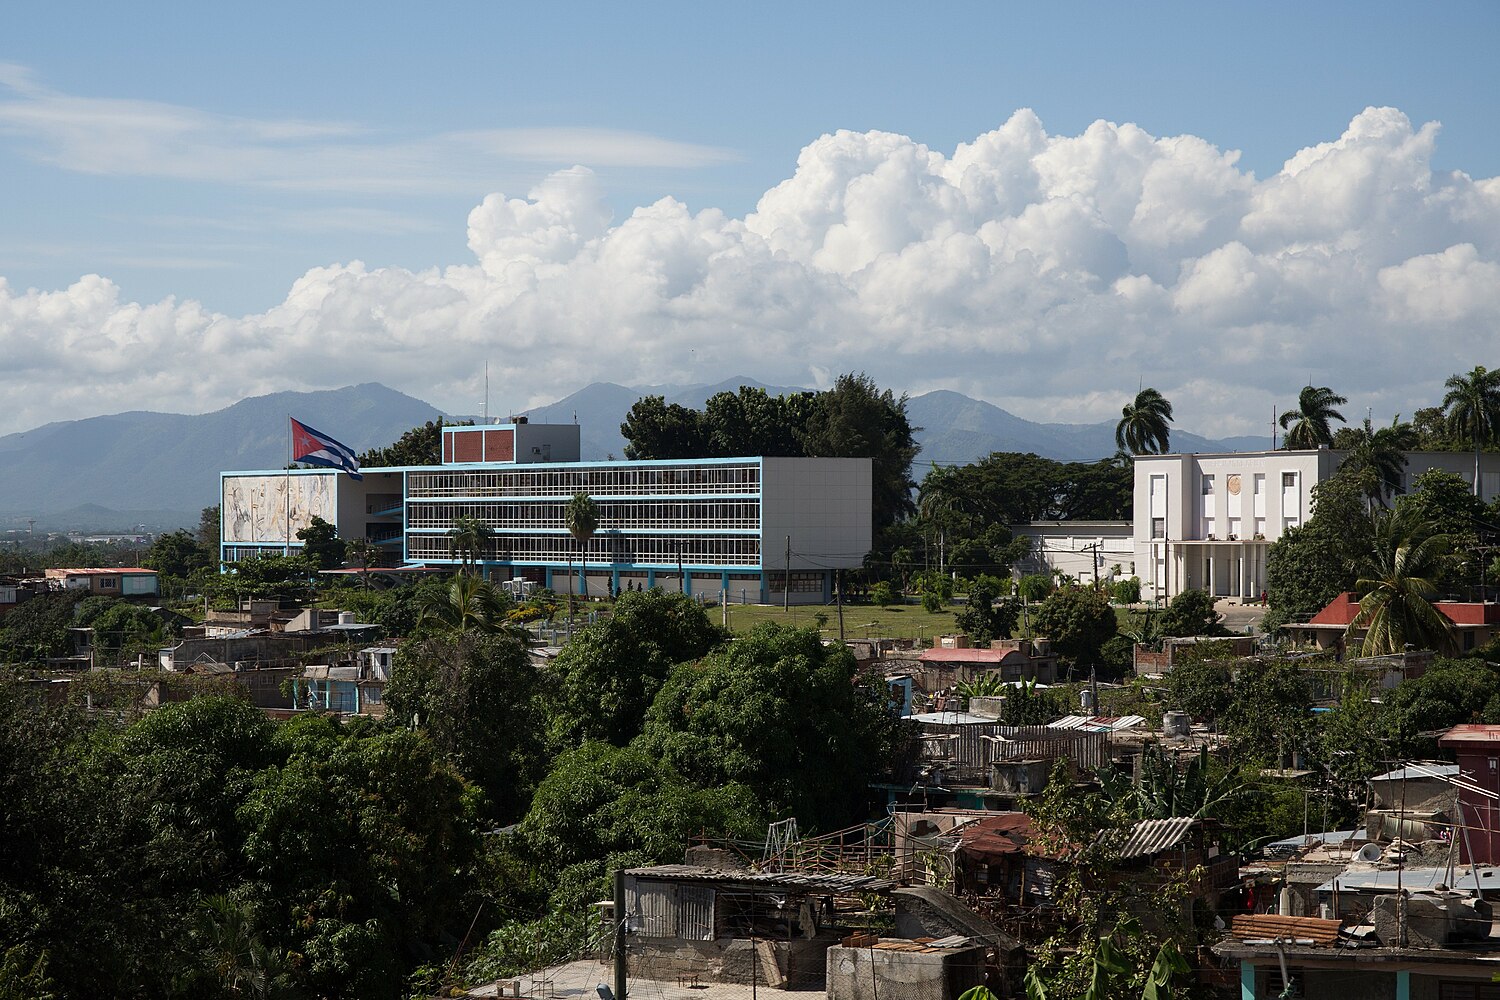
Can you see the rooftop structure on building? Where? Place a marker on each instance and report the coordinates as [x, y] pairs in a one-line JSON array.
[[751, 529]]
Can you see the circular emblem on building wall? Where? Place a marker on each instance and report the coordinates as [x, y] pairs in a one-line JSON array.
[[1233, 484]]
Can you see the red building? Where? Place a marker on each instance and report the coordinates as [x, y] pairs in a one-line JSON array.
[[1477, 748]]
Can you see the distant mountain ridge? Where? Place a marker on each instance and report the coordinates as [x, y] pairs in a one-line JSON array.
[[125, 468]]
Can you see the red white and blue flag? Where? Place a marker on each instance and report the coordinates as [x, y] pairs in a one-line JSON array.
[[316, 448]]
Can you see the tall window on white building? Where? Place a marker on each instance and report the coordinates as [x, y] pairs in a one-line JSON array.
[[1207, 507], [1291, 501], [1233, 487], [1258, 504]]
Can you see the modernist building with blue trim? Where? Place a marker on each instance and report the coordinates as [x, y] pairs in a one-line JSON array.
[[705, 526]]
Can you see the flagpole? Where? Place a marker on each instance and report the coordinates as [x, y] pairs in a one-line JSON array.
[[286, 548]]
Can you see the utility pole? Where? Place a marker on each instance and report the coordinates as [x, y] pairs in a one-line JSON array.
[[838, 581], [786, 578], [620, 976]]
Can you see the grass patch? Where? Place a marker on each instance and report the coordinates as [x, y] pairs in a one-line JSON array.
[[861, 621]]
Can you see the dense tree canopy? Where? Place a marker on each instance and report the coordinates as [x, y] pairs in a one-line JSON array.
[[853, 419], [1079, 621]]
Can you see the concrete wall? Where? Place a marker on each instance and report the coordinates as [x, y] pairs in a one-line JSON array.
[[823, 504], [872, 973]]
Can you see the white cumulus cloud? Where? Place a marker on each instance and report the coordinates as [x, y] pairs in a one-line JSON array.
[[1049, 274]]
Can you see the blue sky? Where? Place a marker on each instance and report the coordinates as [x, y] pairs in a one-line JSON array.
[[218, 153]]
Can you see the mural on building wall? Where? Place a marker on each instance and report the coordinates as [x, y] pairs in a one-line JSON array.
[[255, 510]]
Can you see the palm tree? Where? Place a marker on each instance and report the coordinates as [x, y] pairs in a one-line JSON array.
[[469, 539], [1307, 426], [1397, 587], [364, 552], [1473, 408], [1144, 426], [1379, 455], [467, 604], [939, 501], [582, 520]]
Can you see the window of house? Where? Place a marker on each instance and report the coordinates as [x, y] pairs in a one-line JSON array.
[[1158, 527], [107, 583], [1288, 479], [1208, 485]]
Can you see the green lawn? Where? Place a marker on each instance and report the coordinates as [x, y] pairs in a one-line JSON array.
[[860, 620]]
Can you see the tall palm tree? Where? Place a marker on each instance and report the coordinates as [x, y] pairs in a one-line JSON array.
[[1307, 426], [939, 502], [1473, 408], [1145, 425], [467, 604], [582, 519], [1379, 455], [469, 539], [1397, 587]]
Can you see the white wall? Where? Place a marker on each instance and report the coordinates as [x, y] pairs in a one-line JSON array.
[[823, 504]]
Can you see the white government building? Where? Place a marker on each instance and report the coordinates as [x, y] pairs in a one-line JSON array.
[[1206, 521]]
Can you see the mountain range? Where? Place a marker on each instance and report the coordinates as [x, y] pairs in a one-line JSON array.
[[161, 469]]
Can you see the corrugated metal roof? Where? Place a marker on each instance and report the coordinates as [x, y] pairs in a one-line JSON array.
[[1097, 723], [1412, 879], [1418, 771], [1257, 926], [1150, 836], [954, 719], [831, 883]]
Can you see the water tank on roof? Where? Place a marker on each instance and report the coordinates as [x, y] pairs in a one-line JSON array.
[[1176, 725], [346, 617]]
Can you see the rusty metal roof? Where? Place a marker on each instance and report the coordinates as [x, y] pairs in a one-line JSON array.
[[1270, 926]]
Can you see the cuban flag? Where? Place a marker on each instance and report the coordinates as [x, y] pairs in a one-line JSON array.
[[315, 448]]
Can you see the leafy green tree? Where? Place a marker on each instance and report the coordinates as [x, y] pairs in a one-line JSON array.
[[38, 628], [1035, 587], [1145, 425], [363, 553], [609, 674], [1079, 621], [1310, 565], [1397, 588], [207, 534], [883, 594], [269, 574], [856, 419], [321, 544], [1270, 712], [352, 854], [1308, 424], [1449, 692], [478, 699], [422, 445], [780, 713], [1472, 404], [1191, 613], [178, 554], [1202, 689], [653, 429], [581, 518], [753, 422], [989, 615], [126, 629], [1444, 505]]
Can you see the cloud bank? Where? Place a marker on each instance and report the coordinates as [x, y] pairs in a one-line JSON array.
[[1049, 274]]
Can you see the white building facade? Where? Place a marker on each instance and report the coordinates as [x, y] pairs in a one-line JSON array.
[[1206, 521]]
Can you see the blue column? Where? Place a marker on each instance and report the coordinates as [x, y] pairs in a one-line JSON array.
[[687, 581], [1403, 985], [1247, 980], [614, 582], [650, 578]]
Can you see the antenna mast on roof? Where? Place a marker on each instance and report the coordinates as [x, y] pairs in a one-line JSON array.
[[486, 391]]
